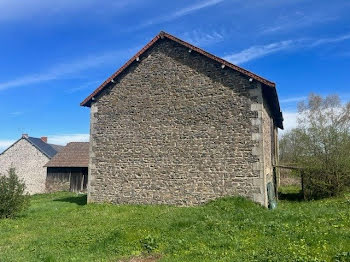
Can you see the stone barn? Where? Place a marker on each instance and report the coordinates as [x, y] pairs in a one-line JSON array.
[[177, 125], [28, 155], [68, 170]]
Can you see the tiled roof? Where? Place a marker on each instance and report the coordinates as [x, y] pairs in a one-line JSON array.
[[48, 150], [272, 93], [74, 154], [45, 148], [58, 148]]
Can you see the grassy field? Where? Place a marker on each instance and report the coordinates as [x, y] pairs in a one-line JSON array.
[[61, 227]]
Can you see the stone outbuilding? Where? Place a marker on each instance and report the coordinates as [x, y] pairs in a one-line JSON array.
[[28, 155], [177, 125], [68, 170]]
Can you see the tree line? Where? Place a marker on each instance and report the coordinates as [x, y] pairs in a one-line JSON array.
[[320, 145]]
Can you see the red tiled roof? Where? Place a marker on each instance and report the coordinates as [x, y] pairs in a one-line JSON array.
[[188, 45], [74, 154]]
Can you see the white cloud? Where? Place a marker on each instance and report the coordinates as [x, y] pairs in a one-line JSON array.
[[290, 121], [66, 138], [297, 21], [255, 52], [200, 38], [12, 10], [27, 80], [193, 8], [330, 40], [16, 113], [4, 144], [62, 139], [70, 68], [177, 14], [292, 99], [90, 84]]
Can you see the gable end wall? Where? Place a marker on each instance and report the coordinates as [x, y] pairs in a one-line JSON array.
[[177, 129], [29, 164]]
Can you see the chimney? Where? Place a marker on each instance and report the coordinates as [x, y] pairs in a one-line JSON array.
[[44, 138], [25, 136]]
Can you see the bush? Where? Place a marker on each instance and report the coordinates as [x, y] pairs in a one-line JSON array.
[[324, 182], [13, 200], [149, 244], [320, 145]]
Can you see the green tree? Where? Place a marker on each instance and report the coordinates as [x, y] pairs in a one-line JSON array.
[[13, 199], [321, 145]]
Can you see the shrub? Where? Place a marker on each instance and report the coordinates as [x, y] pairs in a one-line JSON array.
[[320, 145], [324, 182], [343, 257], [149, 244], [13, 200]]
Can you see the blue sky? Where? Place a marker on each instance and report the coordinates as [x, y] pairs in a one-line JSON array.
[[55, 53]]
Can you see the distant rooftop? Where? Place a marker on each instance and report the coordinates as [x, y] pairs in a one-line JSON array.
[[47, 149], [41, 144], [74, 154]]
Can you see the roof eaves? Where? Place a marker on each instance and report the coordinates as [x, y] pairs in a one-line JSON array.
[[119, 71], [161, 35], [220, 60]]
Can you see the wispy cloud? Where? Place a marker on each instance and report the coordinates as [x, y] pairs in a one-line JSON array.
[[292, 99], [193, 8], [177, 14], [256, 52], [66, 138], [16, 113], [90, 84], [12, 11], [330, 40], [201, 38], [69, 69], [298, 20]]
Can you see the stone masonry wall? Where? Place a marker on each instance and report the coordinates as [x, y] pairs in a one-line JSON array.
[[177, 128], [29, 163], [268, 136]]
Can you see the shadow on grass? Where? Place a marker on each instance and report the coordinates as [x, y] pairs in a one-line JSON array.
[[80, 200], [291, 196]]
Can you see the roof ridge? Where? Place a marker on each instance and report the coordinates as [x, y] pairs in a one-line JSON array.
[[219, 59], [161, 35]]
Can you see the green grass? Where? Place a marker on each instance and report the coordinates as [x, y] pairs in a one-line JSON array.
[[60, 227]]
